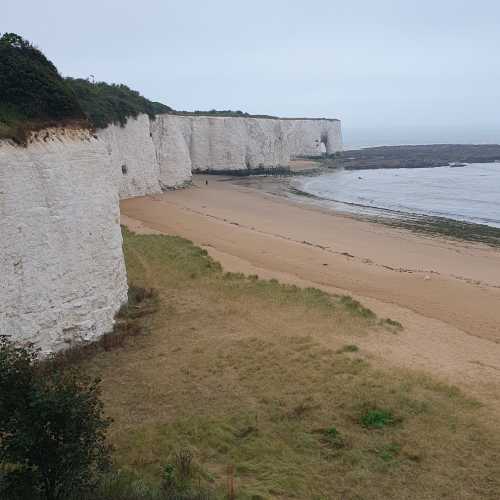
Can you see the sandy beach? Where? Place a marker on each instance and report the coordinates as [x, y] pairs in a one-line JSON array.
[[446, 293]]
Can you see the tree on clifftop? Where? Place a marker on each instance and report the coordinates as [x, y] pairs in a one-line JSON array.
[[30, 86]]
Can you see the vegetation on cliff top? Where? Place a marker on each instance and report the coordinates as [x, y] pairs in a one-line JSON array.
[[224, 112], [33, 95], [105, 103], [32, 92]]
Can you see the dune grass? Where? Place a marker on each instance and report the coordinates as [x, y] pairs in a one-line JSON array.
[[263, 384]]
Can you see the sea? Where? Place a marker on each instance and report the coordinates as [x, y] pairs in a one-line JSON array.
[[469, 193]]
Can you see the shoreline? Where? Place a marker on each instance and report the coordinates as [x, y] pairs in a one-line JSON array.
[[455, 229], [445, 292]]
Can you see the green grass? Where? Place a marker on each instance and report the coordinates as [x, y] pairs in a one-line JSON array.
[[356, 307], [348, 348], [377, 418], [194, 263]]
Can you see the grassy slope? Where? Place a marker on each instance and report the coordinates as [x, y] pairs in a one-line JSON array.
[[252, 373]]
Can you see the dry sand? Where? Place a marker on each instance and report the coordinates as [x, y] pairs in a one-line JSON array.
[[445, 293], [303, 165]]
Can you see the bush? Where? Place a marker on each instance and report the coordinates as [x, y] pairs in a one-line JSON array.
[[34, 95], [181, 478], [52, 428], [105, 103], [377, 419], [31, 88]]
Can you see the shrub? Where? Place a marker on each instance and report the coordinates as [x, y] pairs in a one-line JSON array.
[[52, 428], [34, 95], [181, 478], [377, 418], [31, 89], [105, 103]]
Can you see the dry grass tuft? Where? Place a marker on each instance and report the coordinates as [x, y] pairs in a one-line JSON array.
[[130, 321]]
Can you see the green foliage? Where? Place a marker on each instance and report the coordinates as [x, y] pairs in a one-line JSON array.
[[356, 307], [377, 418], [348, 348], [392, 324], [33, 94], [126, 485], [333, 438], [31, 87], [52, 428], [105, 103], [332, 432], [224, 112], [389, 452], [121, 485], [181, 478]]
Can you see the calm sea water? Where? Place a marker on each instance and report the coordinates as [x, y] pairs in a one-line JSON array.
[[470, 193]]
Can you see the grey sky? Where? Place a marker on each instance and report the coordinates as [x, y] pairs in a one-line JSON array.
[[393, 71]]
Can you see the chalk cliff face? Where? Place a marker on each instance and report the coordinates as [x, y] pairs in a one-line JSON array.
[[133, 157], [148, 155], [172, 140], [203, 143], [307, 136], [61, 262]]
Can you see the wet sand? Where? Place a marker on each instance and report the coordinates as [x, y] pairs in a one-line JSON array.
[[446, 293]]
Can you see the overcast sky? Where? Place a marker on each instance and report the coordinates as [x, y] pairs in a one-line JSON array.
[[393, 71]]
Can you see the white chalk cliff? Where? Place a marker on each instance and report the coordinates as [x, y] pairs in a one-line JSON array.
[[150, 155], [61, 262], [62, 272]]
